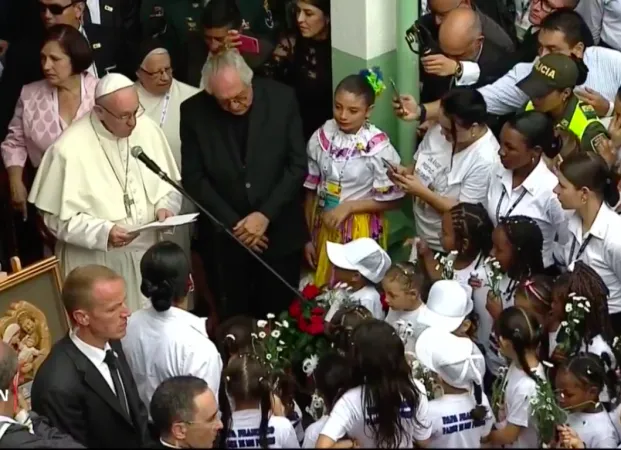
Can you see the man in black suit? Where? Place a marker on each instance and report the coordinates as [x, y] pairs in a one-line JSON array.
[[84, 386], [185, 413], [244, 159], [120, 15]]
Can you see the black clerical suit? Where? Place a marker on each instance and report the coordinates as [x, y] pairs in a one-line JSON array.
[[41, 436], [73, 394], [238, 165]]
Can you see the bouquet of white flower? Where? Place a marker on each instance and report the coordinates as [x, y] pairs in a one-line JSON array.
[[546, 412], [273, 350], [570, 333], [446, 263], [494, 275]]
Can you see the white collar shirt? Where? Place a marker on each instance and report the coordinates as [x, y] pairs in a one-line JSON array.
[[93, 68], [504, 97], [599, 248], [463, 177], [96, 356], [94, 11], [160, 345], [603, 17], [534, 198]]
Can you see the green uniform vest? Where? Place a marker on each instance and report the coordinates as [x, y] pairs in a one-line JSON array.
[[581, 119]]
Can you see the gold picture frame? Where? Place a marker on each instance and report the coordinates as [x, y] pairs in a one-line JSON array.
[[32, 315]]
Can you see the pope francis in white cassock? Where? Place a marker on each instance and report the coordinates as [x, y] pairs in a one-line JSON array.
[[91, 191]]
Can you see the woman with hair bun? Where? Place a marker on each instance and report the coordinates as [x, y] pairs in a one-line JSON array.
[[165, 340], [589, 187]]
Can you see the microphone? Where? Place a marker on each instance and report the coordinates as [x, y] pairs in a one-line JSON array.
[[138, 153]]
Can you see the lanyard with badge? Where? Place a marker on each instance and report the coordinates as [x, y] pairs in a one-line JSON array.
[[515, 204], [165, 108], [330, 194], [580, 250]]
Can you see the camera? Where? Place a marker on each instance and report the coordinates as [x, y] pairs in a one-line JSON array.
[[419, 34]]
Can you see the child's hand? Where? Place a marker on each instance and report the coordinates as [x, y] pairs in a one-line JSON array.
[[474, 281], [336, 216], [423, 248], [310, 255], [493, 305], [568, 438]]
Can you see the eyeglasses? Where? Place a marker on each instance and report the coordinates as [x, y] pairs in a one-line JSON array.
[[54, 9], [125, 117], [546, 6], [242, 99], [159, 73]]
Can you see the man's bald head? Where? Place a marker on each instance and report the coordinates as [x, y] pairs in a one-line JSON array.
[[8, 365], [461, 34]]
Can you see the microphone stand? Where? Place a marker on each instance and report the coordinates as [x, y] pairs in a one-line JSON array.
[[164, 177]]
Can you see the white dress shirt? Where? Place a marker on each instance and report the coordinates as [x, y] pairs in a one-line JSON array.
[[463, 177], [160, 345], [96, 356], [603, 18], [94, 11], [534, 198], [504, 97], [602, 252]]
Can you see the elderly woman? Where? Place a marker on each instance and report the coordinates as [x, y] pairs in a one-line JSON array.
[[161, 96]]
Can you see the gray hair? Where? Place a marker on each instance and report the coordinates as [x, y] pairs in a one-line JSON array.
[[8, 365], [230, 58]]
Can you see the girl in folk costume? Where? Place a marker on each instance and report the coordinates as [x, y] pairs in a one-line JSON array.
[[348, 185]]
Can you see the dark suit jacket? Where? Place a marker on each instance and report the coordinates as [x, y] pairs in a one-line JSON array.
[[120, 15], [44, 436], [71, 392], [23, 65], [270, 181]]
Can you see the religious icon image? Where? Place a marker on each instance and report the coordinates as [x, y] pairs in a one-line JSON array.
[[24, 327]]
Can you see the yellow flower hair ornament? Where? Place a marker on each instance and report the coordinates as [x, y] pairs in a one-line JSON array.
[[375, 78]]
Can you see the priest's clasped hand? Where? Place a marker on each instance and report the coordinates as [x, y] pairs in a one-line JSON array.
[[251, 231], [120, 237]]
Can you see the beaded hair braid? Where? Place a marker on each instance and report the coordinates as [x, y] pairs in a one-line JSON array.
[[527, 242], [471, 221]]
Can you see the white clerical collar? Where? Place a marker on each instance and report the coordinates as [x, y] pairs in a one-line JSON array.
[[166, 444]]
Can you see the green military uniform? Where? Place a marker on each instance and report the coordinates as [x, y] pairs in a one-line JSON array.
[[556, 72], [258, 17], [581, 119], [172, 22]]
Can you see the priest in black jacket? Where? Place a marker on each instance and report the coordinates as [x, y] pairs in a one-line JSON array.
[[244, 159]]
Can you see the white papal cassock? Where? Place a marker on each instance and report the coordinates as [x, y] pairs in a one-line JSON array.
[[80, 188]]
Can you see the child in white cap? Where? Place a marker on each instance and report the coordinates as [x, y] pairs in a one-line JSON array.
[[361, 264], [462, 416], [449, 309]]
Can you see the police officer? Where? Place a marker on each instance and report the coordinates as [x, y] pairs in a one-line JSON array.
[[550, 87]]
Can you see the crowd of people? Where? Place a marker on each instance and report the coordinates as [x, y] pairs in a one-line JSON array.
[[501, 329]]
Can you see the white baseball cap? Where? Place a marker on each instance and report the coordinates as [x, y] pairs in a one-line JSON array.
[[363, 255], [455, 359], [447, 306]]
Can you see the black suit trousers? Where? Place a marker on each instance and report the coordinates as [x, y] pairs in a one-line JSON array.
[[248, 288]]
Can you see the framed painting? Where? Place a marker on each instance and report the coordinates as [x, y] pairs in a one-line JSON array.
[[32, 316]]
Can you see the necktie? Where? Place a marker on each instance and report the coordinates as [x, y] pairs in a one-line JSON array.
[[111, 361]]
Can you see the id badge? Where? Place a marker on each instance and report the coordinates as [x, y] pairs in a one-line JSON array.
[[332, 196]]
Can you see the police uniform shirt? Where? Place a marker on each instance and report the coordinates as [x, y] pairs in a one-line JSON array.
[[594, 133]]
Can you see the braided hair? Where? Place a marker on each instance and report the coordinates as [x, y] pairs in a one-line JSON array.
[[589, 369], [409, 278], [527, 244], [523, 330], [342, 325], [583, 281], [472, 223]]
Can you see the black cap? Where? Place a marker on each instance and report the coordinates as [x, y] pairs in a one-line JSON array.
[[550, 73]]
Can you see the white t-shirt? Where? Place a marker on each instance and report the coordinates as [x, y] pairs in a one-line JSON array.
[[616, 422], [394, 316], [349, 418], [485, 332], [462, 276], [519, 389], [244, 432], [296, 421], [463, 177], [596, 429], [370, 299], [534, 198], [602, 252], [452, 425], [313, 431]]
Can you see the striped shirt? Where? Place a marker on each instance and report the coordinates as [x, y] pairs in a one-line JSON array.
[[603, 18], [504, 97]]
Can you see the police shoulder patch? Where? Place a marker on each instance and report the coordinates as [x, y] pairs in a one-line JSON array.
[[588, 111]]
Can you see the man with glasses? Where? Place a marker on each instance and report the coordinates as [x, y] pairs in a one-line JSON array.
[[185, 413], [244, 158], [92, 193]]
